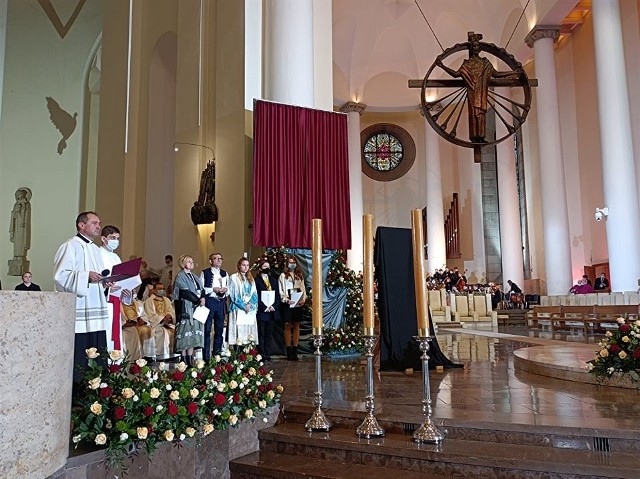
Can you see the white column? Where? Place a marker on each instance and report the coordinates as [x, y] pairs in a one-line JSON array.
[[557, 247], [289, 55], [510, 231], [437, 249], [355, 254], [323, 55], [618, 169]]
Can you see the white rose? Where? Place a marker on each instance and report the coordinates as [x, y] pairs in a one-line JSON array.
[[159, 407], [168, 435], [101, 439], [136, 398], [207, 429], [279, 388], [620, 320], [252, 371], [141, 362], [233, 384], [127, 393], [76, 439], [233, 419], [245, 380], [216, 412], [221, 387], [115, 354], [168, 387], [625, 339], [258, 357], [217, 358], [161, 366], [95, 383], [92, 353], [194, 393], [622, 355], [194, 374], [190, 431], [262, 404], [608, 334], [270, 395], [96, 408], [182, 366], [174, 396], [154, 393], [142, 432], [248, 413], [182, 437], [124, 436], [200, 363]]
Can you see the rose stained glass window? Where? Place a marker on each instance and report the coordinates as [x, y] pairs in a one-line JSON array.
[[383, 152]]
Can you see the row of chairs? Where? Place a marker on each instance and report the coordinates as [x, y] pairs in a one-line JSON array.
[[592, 299], [590, 319], [465, 308]]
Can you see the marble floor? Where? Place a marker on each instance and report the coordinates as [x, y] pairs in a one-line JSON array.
[[489, 389]]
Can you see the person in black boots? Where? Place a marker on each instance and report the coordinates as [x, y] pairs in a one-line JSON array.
[[268, 310], [292, 298]]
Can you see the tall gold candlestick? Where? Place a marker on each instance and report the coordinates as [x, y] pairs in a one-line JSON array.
[[316, 264], [419, 276], [367, 246]]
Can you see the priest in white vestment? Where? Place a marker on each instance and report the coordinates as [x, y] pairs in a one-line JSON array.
[[161, 317], [77, 267], [137, 339]]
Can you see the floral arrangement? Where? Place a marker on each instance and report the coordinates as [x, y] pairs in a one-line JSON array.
[[619, 352], [129, 403], [343, 341]]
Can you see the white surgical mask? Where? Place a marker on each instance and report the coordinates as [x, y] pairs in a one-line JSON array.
[[113, 244]]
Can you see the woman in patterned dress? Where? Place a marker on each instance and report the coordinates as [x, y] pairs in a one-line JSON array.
[[187, 294], [244, 305]]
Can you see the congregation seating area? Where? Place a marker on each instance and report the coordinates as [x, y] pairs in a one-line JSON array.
[[592, 299], [461, 309], [588, 319]]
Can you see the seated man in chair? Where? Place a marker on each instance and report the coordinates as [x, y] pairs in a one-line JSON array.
[[134, 326], [161, 318]]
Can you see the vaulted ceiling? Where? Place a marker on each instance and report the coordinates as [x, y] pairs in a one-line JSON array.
[[380, 44]]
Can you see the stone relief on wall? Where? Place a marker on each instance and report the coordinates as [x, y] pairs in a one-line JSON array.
[[20, 232], [63, 121]]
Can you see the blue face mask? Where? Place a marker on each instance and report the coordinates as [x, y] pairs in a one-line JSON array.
[[113, 244], [292, 266]]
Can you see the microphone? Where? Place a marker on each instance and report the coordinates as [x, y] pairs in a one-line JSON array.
[[105, 272]]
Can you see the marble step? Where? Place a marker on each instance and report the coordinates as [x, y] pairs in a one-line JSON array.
[[454, 457], [271, 465], [584, 438]]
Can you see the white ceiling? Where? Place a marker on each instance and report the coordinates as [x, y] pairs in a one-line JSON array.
[[379, 44]]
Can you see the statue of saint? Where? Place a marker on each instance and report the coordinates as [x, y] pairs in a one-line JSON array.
[[476, 72], [20, 231]]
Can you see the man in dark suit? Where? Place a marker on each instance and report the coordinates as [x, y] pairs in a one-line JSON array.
[[216, 288], [26, 284], [602, 283], [266, 315]]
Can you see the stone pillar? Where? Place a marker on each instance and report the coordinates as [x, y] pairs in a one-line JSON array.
[[510, 231], [355, 254], [3, 36], [436, 247], [36, 348], [557, 247], [618, 168], [289, 55]]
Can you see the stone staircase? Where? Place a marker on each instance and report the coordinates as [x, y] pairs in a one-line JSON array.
[[478, 450]]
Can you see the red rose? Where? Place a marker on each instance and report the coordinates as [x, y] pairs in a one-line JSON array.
[[150, 429], [199, 375], [269, 386], [218, 369], [236, 398], [202, 388], [220, 399], [106, 392], [253, 352], [228, 367], [261, 388], [216, 377], [242, 357], [636, 353], [625, 328], [614, 348], [114, 368], [148, 411], [178, 376], [135, 369], [119, 413], [192, 408], [172, 409], [262, 371]]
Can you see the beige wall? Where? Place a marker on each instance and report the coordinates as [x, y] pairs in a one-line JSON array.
[[38, 63]]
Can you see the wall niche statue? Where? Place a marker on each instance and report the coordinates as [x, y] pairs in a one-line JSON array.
[[20, 232]]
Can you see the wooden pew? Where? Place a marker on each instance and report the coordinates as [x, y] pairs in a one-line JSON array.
[[542, 313], [610, 314]]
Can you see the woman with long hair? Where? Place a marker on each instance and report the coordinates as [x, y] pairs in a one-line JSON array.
[[244, 305], [293, 295], [187, 294]]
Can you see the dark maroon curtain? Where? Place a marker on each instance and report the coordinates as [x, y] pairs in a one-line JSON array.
[[300, 172]]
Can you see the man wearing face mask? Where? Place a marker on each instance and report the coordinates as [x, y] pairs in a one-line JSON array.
[[216, 289], [110, 238], [161, 317]]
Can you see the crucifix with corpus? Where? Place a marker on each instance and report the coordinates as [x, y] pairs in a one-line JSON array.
[[473, 87]]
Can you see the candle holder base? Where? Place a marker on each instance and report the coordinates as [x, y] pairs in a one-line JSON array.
[[318, 421], [428, 433], [369, 428]]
